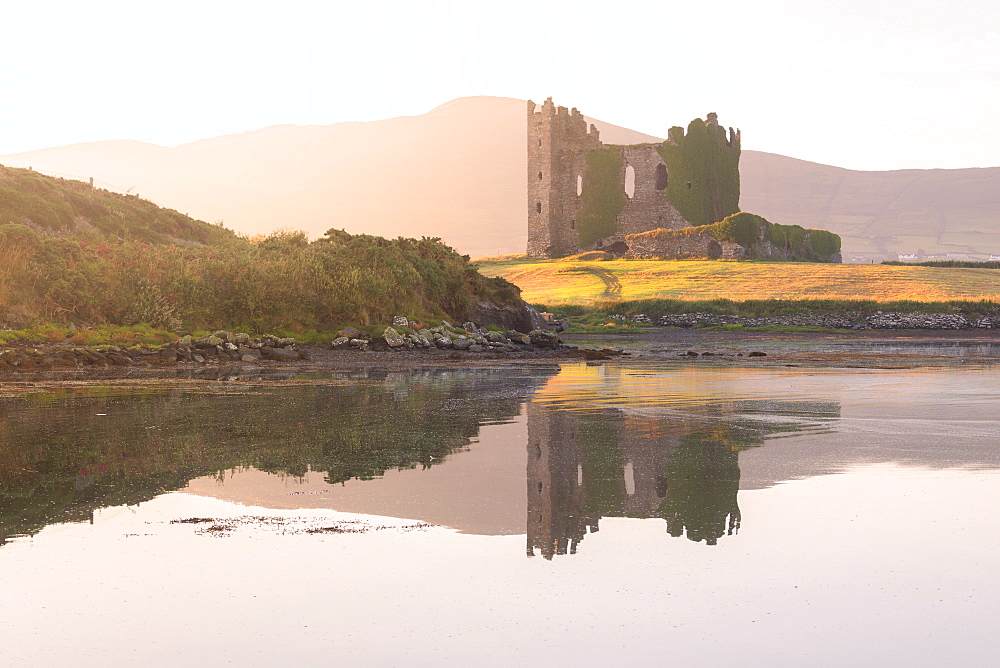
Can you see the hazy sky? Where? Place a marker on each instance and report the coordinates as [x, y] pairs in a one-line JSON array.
[[866, 84]]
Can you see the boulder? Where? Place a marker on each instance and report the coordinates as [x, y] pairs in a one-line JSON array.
[[443, 342], [349, 333], [393, 338], [209, 341], [184, 342], [496, 337], [400, 321], [517, 315], [461, 343], [340, 342], [544, 337]]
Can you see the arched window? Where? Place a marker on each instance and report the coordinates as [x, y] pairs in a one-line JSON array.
[[630, 181], [539, 176], [538, 207], [661, 177]]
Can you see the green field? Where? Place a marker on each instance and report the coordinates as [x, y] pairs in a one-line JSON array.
[[575, 281]]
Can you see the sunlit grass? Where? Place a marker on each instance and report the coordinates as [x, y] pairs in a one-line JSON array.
[[582, 282], [104, 335]]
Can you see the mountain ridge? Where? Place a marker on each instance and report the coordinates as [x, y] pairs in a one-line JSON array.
[[458, 172]]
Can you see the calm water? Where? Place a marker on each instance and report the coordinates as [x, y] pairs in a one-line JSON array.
[[581, 513]]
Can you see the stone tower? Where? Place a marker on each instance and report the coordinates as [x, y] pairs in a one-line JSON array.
[[584, 195], [557, 142]]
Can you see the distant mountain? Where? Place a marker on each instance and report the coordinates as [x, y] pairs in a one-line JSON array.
[[925, 211], [458, 172]]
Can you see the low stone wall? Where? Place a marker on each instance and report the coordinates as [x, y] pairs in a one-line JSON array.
[[718, 241], [682, 247], [879, 320]]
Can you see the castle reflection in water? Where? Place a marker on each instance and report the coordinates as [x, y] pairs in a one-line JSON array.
[[610, 462]]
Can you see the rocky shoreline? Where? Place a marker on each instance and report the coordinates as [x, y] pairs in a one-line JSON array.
[[469, 337], [222, 348], [414, 344], [854, 321]]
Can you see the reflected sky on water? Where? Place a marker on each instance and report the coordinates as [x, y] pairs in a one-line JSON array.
[[594, 512]]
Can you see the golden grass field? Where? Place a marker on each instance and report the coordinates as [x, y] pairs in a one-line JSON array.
[[575, 281]]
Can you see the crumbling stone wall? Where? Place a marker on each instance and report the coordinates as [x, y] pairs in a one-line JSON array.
[[647, 208], [742, 236], [559, 143], [689, 247]]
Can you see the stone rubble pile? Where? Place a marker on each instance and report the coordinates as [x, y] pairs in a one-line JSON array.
[[236, 347], [469, 337], [220, 347]]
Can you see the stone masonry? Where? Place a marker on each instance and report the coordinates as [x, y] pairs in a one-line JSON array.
[[558, 143], [689, 247]]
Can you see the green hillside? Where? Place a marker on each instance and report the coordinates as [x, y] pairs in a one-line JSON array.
[[70, 254], [56, 206]]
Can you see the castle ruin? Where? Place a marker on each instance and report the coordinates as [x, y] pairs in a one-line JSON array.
[[586, 195]]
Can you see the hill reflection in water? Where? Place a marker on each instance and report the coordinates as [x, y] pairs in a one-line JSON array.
[[544, 451], [71, 450]]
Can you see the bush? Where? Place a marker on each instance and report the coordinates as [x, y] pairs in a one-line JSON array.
[[278, 282]]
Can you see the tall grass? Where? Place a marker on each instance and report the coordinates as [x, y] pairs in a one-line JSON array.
[[282, 281]]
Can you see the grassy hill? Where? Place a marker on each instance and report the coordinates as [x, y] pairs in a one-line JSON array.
[[458, 173], [586, 282], [70, 254], [61, 207]]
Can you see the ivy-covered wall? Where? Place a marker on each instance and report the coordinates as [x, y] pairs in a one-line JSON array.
[[704, 171], [758, 238], [603, 196]]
